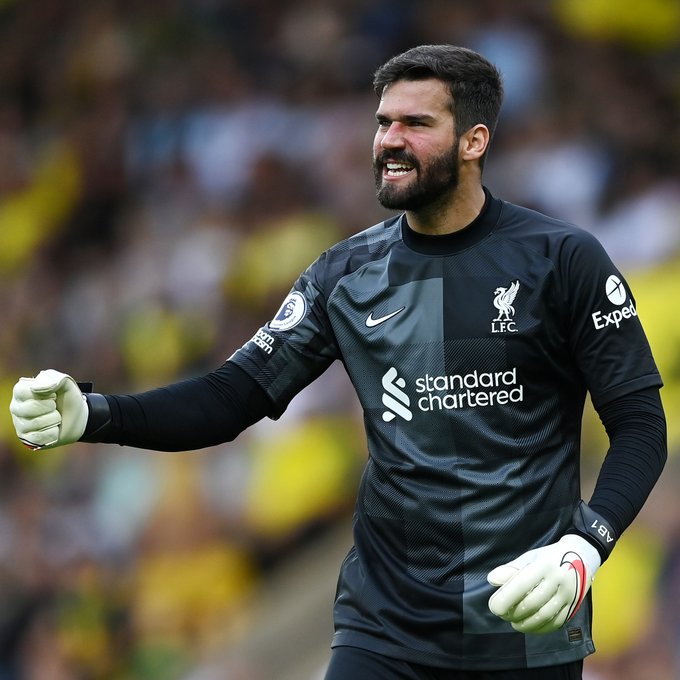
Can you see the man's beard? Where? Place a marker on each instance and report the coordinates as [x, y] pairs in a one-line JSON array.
[[433, 181]]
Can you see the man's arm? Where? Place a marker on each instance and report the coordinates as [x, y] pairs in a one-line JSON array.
[[636, 426], [50, 410], [543, 588]]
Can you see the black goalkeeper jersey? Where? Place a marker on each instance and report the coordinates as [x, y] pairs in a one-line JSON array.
[[471, 354]]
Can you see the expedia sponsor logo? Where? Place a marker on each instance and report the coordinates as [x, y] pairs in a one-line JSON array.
[[602, 320], [615, 290], [450, 392], [616, 294]]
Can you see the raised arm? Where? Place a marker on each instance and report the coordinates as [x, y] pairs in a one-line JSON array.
[[51, 410]]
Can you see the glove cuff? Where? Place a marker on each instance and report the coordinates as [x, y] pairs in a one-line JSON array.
[[594, 528], [99, 418]]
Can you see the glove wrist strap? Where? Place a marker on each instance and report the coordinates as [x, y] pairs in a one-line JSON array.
[[99, 418], [595, 529]]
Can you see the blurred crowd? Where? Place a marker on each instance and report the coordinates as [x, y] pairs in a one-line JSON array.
[[167, 169]]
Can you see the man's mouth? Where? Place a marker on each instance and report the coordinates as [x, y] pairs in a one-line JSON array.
[[397, 168]]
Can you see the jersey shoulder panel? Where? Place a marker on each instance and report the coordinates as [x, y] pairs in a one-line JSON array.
[[350, 254], [549, 235], [577, 257]]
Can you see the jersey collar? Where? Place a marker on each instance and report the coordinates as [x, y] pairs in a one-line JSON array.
[[447, 244]]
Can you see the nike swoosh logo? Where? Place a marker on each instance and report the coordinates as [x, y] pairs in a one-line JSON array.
[[371, 322]]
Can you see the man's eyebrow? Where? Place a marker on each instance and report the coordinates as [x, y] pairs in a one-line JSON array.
[[419, 118], [406, 118]]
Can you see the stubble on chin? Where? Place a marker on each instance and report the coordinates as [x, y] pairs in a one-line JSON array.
[[391, 197]]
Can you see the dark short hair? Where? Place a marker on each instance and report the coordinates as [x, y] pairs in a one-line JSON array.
[[474, 82]]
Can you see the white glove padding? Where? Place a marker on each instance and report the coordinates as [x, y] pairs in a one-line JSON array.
[[543, 588], [48, 410]]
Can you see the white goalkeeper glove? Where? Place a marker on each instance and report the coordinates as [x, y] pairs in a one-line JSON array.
[[49, 410], [543, 588]]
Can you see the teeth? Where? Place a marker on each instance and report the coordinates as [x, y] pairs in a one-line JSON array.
[[397, 169]]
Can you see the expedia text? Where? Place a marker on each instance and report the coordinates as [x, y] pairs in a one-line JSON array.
[[614, 318]]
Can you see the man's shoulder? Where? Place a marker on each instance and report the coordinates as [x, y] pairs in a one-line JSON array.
[[530, 225], [351, 253], [369, 244], [386, 231]]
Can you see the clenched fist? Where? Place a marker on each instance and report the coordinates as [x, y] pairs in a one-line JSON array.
[[48, 410]]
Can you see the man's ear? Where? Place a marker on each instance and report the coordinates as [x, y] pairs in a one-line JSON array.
[[474, 142]]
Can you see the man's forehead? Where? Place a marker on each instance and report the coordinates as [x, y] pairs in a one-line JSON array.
[[429, 95]]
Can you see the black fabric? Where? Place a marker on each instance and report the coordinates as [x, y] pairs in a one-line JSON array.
[[352, 662], [636, 426], [471, 355], [98, 418], [187, 415], [472, 368]]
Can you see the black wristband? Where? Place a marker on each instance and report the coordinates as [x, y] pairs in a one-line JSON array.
[[594, 528], [99, 417]]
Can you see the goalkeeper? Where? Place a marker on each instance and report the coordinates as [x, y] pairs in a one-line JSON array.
[[472, 330]]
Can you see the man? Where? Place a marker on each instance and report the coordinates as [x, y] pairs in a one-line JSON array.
[[471, 329]]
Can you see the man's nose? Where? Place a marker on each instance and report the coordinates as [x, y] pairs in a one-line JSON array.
[[393, 136]]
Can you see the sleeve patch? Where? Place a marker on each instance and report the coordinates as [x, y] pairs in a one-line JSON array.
[[291, 312]]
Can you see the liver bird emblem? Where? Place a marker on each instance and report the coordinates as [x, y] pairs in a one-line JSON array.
[[503, 301]]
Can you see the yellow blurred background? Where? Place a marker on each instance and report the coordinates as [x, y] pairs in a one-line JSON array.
[[167, 169]]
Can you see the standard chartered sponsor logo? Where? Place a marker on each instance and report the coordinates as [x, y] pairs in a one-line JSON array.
[[446, 392], [450, 392], [394, 397]]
